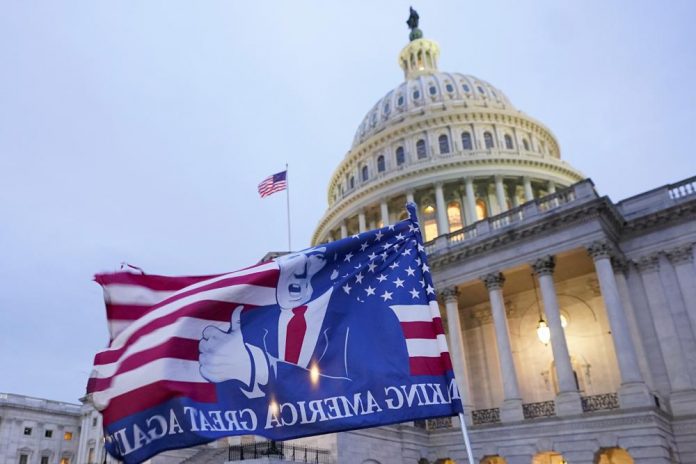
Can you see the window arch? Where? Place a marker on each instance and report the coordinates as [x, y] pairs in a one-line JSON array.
[[380, 163], [466, 141], [443, 141], [508, 142], [488, 140], [421, 151], [364, 173], [481, 209], [351, 182], [400, 156]]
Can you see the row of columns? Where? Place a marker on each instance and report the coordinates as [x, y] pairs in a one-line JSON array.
[[468, 204], [633, 391]]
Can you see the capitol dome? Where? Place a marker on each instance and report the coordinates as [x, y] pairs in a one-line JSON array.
[[452, 143]]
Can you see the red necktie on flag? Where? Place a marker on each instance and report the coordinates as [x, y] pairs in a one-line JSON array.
[[295, 334]]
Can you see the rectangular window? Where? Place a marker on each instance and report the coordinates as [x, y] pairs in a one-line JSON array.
[[94, 422], [67, 436], [23, 458], [65, 461], [90, 456], [27, 430], [48, 433], [44, 459]]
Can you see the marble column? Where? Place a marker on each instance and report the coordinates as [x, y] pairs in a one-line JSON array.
[[470, 198], [682, 396], [528, 192], [441, 210], [682, 258], [362, 227], [511, 410], [344, 230], [500, 194], [456, 346], [568, 397], [552, 187], [384, 211], [466, 215], [633, 391]]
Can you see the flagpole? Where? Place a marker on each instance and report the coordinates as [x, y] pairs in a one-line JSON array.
[[467, 443], [287, 196]]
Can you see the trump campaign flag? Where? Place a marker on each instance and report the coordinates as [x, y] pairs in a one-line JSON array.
[[341, 336]]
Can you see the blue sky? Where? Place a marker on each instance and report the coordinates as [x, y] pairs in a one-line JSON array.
[[138, 131]]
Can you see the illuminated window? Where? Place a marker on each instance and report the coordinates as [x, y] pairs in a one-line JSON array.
[[90, 456], [488, 140], [429, 222], [400, 157], [67, 436], [481, 210], [466, 141], [508, 142], [65, 461], [380, 163], [420, 149], [443, 141], [454, 216]]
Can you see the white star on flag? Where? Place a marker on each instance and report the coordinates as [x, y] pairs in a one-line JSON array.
[[370, 291], [382, 278], [399, 283], [410, 271], [359, 278], [347, 288], [386, 295], [348, 257]]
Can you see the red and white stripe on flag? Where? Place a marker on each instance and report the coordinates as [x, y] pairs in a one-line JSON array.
[[272, 184], [425, 338], [156, 323]]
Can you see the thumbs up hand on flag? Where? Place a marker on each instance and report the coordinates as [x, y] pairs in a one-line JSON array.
[[223, 355]]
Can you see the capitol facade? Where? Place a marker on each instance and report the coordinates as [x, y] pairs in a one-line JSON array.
[[571, 319]]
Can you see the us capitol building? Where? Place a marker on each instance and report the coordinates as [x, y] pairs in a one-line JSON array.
[[571, 319]]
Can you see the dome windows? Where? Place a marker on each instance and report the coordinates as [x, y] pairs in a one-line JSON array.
[[380, 163], [364, 174], [373, 119], [481, 91], [421, 151], [488, 140], [508, 142], [443, 142], [466, 141], [387, 109], [351, 182], [433, 90], [525, 144], [449, 87], [400, 101], [466, 88], [400, 157], [416, 94]]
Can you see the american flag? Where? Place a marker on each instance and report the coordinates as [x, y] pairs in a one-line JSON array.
[[272, 184], [156, 322]]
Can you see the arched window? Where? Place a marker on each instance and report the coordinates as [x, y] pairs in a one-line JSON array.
[[351, 183], [454, 216], [429, 221], [488, 140], [466, 141], [525, 144], [400, 157], [420, 149], [481, 209], [443, 140], [380, 163], [364, 173], [508, 142]]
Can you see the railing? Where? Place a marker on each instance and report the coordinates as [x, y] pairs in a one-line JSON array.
[[520, 214], [439, 423], [682, 189], [485, 416], [600, 402], [541, 409], [279, 451]]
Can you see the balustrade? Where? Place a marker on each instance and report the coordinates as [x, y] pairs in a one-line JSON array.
[[600, 402], [540, 409], [485, 416]]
